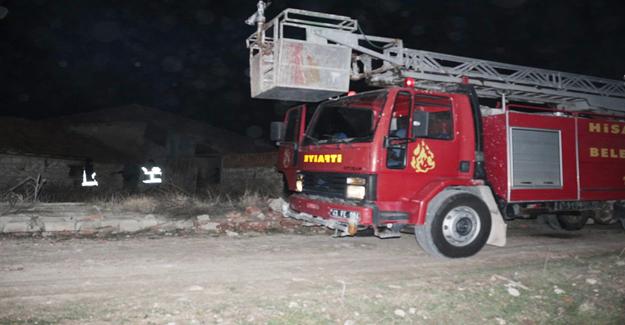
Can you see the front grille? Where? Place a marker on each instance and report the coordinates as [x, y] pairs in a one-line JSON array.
[[334, 184]]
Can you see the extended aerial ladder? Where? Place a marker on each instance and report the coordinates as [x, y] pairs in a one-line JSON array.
[[309, 56]]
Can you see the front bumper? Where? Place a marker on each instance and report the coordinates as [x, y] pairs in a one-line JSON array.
[[332, 224], [323, 207], [323, 211]]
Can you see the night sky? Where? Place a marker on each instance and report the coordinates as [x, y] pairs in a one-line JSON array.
[[189, 57]]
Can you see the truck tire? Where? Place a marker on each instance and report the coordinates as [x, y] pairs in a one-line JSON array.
[[619, 213], [603, 217], [459, 228], [572, 222], [551, 220]]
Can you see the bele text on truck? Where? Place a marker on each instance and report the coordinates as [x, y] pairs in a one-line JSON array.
[[450, 145]]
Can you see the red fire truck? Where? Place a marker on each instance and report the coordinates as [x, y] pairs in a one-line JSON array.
[[451, 145]]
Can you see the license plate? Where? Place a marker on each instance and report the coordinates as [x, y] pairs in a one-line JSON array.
[[336, 213]]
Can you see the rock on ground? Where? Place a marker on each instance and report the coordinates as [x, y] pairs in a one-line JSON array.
[[203, 218], [514, 292], [276, 204], [400, 313]]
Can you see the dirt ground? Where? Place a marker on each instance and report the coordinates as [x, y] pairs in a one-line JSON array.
[[539, 277]]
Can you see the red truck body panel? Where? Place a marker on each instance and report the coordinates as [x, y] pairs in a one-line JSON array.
[[590, 163], [601, 159]]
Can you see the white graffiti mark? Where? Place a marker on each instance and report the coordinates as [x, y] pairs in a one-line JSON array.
[[85, 182], [152, 174]]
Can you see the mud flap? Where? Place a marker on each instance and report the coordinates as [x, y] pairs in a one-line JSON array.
[[498, 228]]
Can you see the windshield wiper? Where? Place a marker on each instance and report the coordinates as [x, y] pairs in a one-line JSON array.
[[368, 137], [343, 140], [313, 139]]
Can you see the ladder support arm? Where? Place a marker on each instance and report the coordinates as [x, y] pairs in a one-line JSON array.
[[384, 61]]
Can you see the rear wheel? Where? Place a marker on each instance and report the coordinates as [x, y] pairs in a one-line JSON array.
[[619, 213], [572, 222], [604, 216], [459, 228], [552, 221]]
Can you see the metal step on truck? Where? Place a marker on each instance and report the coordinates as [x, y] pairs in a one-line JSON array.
[[453, 146]]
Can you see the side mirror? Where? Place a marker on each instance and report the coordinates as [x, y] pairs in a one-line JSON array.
[[420, 121], [277, 131]]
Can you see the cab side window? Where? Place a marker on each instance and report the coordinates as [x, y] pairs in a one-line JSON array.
[[432, 118]]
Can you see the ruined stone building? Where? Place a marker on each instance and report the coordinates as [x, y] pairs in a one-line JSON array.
[[119, 141]]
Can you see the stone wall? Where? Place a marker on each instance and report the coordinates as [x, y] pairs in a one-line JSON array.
[[252, 172], [262, 159], [195, 174], [58, 173], [264, 180]]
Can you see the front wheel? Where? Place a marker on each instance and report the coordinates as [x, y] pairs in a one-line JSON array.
[[459, 228]]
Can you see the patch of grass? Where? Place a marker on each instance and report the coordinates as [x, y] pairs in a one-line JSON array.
[[250, 198], [143, 204], [50, 315], [179, 204], [27, 321]]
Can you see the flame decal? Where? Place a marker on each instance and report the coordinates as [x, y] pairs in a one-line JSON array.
[[422, 158]]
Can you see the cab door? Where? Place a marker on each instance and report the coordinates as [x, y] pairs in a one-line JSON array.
[[396, 181], [434, 152], [421, 146], [288, 152]]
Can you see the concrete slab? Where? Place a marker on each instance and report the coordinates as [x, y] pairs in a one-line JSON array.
[[184, 224], [110, 223], [88, 225], [61, 218], [59, 226], [210, 226], [203, 218], [18, 226], [130, 225], [149, 221]]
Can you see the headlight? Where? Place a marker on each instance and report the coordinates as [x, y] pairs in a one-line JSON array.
[[356, 181], [299, 183], [355, 192]]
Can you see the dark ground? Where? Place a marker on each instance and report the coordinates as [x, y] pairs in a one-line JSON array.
[[539, 277]]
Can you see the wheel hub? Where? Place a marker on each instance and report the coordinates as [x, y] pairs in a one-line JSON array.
[[461, 226]]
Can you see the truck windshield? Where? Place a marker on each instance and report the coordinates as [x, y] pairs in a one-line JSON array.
[[347, 120]]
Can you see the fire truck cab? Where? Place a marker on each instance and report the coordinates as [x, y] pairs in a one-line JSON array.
[[387, 158]]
